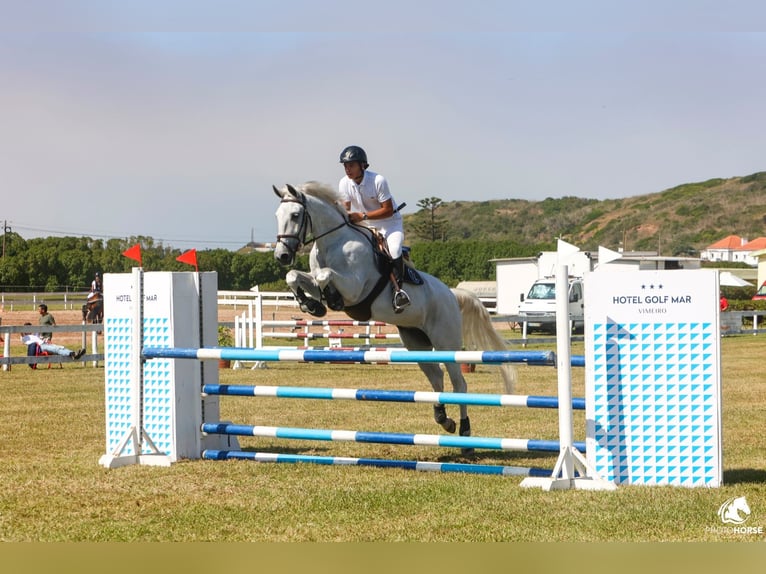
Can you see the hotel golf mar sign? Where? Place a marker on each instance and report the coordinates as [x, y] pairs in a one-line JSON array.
[[653, 377]]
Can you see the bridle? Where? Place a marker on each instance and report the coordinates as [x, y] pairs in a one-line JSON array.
[[306, 223]]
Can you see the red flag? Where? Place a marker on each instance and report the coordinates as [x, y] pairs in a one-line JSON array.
[[189, 257], [134, 253]]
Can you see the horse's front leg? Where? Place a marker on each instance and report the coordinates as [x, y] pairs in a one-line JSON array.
[[326, 278], [307, 292]]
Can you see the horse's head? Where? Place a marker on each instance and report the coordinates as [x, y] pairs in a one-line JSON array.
[[307, 214], [292, 221]]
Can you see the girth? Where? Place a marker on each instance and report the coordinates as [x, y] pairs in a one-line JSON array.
[[362, 311]]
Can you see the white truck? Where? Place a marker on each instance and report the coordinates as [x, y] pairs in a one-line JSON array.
[[538, 308]]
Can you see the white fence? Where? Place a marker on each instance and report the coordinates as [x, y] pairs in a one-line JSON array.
[[257, 321], [92, 332], [29, 301]]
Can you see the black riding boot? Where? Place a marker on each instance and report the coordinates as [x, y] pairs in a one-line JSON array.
[[401, 299]]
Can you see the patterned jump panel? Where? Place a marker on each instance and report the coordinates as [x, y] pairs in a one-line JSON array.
[[653, 386], [655, 403]]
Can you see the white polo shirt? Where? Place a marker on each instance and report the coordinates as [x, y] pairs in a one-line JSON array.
[[368, 196]]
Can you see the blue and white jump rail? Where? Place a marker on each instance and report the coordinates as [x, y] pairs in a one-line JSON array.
[[212, 454], [369, 357], [446, 441], [444, 398]]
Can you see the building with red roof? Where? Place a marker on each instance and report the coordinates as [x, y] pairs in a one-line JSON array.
[[734, 249]]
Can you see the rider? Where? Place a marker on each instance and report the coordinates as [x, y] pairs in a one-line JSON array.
[[367, 198], [96, 288]]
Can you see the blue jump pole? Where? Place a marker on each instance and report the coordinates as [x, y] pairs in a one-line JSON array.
[[386, 356], [376, 462], [447, 441], [480, 399]]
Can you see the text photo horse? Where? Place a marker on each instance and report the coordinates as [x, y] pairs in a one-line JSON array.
[[344, 275]]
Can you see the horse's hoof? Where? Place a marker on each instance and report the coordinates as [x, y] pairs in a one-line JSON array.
[[333, 298], [315, 308], [441, 418], [465, 430]]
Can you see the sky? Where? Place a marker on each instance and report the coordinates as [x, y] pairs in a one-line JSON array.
[[174, 119]]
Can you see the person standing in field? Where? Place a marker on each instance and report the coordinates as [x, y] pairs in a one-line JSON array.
[[46, 319]]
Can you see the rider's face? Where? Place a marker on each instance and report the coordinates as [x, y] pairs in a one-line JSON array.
[[354, 170]]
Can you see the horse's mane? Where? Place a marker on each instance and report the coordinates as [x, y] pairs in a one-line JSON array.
[[324, 193]]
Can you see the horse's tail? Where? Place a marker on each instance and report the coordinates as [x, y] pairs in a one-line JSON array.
[[480, 334]]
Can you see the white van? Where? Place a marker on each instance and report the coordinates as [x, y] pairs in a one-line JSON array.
[[540, 303]]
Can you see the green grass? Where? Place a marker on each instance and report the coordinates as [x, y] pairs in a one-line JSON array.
[[52, 425]]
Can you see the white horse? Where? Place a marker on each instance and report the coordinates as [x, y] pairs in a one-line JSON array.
[[347, 275]]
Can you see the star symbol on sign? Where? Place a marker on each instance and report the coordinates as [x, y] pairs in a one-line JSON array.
[[652, 286]]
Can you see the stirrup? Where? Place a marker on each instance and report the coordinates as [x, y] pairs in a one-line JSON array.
[[401, 300]]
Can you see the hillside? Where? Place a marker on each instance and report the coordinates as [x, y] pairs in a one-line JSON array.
[[680, 220]]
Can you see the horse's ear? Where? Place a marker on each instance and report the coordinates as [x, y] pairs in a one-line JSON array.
[[274, 187], [292, 190]]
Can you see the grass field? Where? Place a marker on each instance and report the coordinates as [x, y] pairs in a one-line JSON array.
[[52, 425]]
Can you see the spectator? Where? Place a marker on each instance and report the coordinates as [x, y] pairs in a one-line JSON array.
[[46, 319], [724, 304], [33, 339]]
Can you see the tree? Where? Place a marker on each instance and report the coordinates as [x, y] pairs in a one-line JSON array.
[[455, 261], [428, 225]]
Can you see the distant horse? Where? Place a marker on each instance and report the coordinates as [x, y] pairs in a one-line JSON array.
[[93, 310], [348, 274]]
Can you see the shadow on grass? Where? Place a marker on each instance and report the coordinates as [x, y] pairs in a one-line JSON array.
[[735, 476], [744, 475], [489, 457], [321, 451]]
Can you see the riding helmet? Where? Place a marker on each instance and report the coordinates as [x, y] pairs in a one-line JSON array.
[[353, 153]]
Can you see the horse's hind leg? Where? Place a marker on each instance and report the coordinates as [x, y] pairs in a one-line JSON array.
[[459, 386], [440, 413], [416, 340], [441, 418]]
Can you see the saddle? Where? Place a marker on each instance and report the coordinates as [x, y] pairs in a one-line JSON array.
[[384, 264]]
